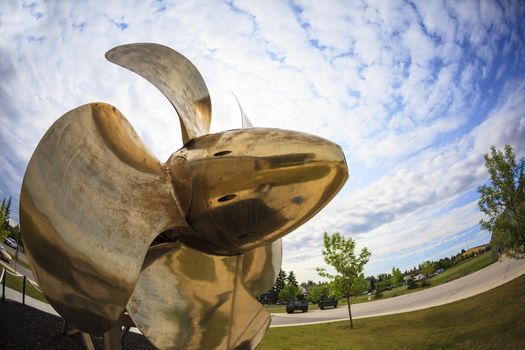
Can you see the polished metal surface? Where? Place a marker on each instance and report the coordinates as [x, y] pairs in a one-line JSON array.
[[185, 299], [92, 200], [246, 122], [252, 186], [188, 244], [176, 77], [261, 267]]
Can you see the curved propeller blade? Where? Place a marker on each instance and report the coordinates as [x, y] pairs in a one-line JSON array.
[[261, 267], [185, 299], [246, 122], [92, 200], [176, 77]]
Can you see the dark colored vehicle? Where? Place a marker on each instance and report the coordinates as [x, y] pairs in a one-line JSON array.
[[326, 302], [297, 304]]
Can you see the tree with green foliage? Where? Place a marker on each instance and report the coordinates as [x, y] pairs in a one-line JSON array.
[[339, 252], [315, 293], [372, 280], [397, 278], [291, 279], [4, 219], [289, 292], [7, 212], [502, 200], [427, 268], [280, 282]]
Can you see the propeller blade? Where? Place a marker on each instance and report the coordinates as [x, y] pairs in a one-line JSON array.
[[246, 122], [92, 200], [185, 299], [176, 77], [261, 267]]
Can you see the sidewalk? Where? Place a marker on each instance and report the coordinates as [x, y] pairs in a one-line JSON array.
[[37, 304]]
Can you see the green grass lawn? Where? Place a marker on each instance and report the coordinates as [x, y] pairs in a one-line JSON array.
[[462, 269], [491, 320], [16, 283]]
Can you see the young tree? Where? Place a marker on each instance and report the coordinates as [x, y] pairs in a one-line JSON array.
[[288, 292], [315, 293], [502, 200], [427, 269], [339, 252], [397, 278], [279, 282], [291, 279]]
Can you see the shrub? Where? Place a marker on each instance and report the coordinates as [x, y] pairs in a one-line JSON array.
[[412, 284]]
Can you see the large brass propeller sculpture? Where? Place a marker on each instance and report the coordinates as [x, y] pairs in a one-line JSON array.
[[183, 246]]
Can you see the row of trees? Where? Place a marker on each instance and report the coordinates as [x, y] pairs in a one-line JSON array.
[[286, 286]]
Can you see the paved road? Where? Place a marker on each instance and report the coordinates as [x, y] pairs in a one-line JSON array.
[[19, 268], [478, 282]]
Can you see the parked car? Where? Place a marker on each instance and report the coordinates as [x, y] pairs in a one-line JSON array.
[[4, 255], [326, 302], [10, 242], [297, 304]]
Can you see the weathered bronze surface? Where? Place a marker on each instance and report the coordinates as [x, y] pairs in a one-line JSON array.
[[92, 201], [176, 77], [185, 299], [97, 208], [261, 267]]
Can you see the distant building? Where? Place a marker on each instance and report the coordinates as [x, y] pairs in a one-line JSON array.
[[438, 271], [419, 277], [476, 250]]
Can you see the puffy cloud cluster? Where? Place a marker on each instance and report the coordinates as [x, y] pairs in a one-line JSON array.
[[414, 92]]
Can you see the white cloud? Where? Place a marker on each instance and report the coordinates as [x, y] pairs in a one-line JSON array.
[[405, 89]]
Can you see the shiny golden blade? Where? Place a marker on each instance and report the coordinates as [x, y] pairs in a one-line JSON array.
[[253, 186], [176, 77], [261, 267], [93, 199], [185, 299], [246, 122]]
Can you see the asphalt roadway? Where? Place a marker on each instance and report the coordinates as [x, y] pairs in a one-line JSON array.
[[15, 266], [478, 282]]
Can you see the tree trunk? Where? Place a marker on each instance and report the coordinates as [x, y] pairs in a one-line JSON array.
[[349, 312]]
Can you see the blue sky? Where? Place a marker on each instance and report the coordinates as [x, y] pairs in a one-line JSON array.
[[414, 92]]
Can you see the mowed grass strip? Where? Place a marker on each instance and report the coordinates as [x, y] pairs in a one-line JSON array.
[[491, 320], [464, 268], [16, 283]]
